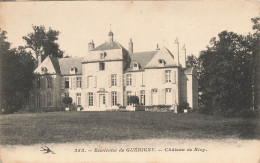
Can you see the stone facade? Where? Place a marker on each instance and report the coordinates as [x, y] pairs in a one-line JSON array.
[[109, 74]]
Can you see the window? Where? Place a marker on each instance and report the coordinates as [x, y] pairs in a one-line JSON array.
[[128, 94], [73, 70], [78, 98], [49, 84], [114, 98], [168, 90], [168, 76], [113, 80], [162, 62], [49, 99], [67, 95], [78, 82], [103, 55], [67, 83], [38, 103], [128, 79], [142, 102], [90, 81], [90, 99], [154, 90], [135, 65], [104, 99], [38, 83], [101, 66]]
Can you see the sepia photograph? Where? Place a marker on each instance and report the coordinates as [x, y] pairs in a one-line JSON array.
[[130, 81]]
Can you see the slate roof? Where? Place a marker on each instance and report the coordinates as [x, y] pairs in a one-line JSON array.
[[108, 46], [55, 64], [142, 58], [65, 65], [188, 70]]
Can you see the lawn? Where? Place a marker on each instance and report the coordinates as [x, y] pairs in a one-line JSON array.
[[60, 127]]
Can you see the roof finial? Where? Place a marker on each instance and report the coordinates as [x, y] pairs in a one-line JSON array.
[[157, 47]]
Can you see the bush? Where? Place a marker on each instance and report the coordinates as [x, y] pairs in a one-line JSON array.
[[67, 101], [134, 100], [183, 106], [158, 108]]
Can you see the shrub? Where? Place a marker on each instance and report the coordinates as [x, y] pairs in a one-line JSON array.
[[158, 108], [183, 106], [67, 101], [134, 100]]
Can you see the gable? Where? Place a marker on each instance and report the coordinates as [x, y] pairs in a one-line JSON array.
[[47, 67], [163, 58]]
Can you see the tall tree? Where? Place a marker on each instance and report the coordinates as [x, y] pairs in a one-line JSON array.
[[17, 67], [227, 71], [44, 40]]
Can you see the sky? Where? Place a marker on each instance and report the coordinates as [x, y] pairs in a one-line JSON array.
[[147, 22]]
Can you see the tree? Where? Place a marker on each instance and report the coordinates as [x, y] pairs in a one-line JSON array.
[[227, 71], [134, 100], [41, 39], [17, 67]]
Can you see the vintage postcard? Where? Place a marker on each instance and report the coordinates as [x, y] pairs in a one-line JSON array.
[[129, 81]]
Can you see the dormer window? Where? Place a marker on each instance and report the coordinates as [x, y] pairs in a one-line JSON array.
[[44, 69], [161, 62], [73, 70], [135, 66], [103, 55]]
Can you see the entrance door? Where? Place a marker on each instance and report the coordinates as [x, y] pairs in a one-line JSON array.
[[102, 100]]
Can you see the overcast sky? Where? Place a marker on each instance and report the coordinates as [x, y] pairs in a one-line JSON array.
[[147, 23]]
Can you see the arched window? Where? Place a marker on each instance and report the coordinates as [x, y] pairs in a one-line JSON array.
[[44, 69], [103, 55], [73, 70], [161, 62]]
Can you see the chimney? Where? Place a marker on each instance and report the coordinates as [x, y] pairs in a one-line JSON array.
[[39, 55], [91, 45], [157, 47], [110, 36], [131, 46], [183, 56], [176, 50]]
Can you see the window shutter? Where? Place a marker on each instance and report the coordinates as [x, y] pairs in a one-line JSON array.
[[94, 99], [118, 98], [149, 101], [124, 99], [109, 99], [174, 96], [109, 81], [95, 81], [52, 99], [133, 80], [74, 82], [87, 82], [163, 97], [61, 98], [118, 80], [62, 83], [87, 102], [163, 76], [173, 77], [124, 80]]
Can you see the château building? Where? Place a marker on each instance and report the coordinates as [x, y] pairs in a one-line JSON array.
[[109, 74]]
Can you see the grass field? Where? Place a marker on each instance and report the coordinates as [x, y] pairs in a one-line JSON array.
[[60, 127]]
